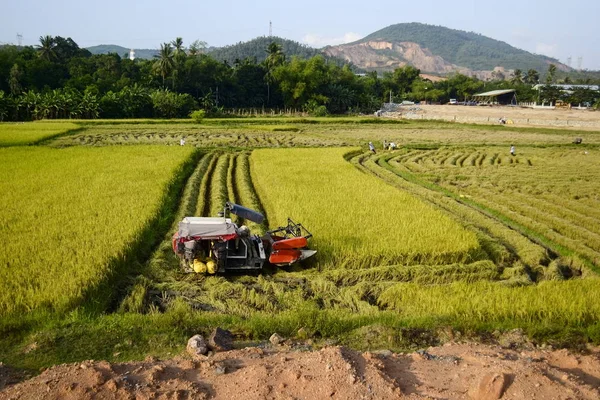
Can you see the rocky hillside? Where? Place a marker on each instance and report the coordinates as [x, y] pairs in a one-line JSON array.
[[438, 50]]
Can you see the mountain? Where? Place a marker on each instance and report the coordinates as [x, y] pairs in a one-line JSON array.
[[257, 48], [147, 54], [439, 50]]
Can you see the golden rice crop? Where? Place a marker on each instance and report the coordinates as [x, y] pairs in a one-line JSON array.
[[356, 220], [552, 192], [66, 213], [246, 193], [203, 205], [218, 188], [31, 132]]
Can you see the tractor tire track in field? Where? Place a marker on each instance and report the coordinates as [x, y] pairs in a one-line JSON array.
[[162, 279], [203, 208], [554, 248], [377, 161]]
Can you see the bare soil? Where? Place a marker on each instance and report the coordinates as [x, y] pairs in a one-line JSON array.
[[453, 371], [520, 116], [515, 112]]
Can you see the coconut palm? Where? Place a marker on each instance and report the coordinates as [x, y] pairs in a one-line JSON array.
[[517, 77], [46, 48], [196, 48], [532, 77], [165, 63], [178, 44], [551, 73], [275, 58]]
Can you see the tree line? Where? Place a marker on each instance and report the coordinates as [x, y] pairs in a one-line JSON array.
[[58, 79]]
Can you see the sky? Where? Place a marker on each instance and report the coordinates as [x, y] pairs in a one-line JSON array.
[[554, 28]]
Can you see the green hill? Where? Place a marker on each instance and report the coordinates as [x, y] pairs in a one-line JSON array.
[[256, 48], [466, 49]]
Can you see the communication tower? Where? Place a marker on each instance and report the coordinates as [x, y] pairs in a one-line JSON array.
[[19, 39], [569, 59], [270, 28], [132, 54], [579, 63]]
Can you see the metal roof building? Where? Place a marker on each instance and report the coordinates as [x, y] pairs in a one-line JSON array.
[[504, 97], [564, 86]]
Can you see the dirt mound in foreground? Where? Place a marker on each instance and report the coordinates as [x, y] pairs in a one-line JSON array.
[[454, 371]]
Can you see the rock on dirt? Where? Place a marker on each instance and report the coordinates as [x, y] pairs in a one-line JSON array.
[[491, 386], [196, 346], [484, 372], [275, 339], [220, 340]]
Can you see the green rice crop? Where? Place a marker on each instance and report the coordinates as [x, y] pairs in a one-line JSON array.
[[67, 215], [551, 302], [14, 134]]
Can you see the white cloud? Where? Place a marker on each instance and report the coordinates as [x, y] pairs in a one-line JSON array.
[[546, 49], [317, 40]]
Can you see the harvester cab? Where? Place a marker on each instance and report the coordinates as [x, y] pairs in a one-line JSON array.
[[216, 244]]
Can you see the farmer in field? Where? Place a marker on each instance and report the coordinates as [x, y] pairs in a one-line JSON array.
[[392, 146], [182, 142], [371, 147], [512, 150]]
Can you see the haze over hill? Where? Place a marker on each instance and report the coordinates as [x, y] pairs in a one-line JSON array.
[[432, 49], [123, 51]]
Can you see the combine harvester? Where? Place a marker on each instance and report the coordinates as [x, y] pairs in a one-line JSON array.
[[217, 245]]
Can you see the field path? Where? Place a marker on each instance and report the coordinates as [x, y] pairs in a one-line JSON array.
[[454, 371]]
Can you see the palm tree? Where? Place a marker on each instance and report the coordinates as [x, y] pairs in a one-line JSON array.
[[517, 77], [179, 57], [178, 44], [275, 58], [197, 47], [165, 63], [46, 48], [532, 77], [551, 73], [4, 103]]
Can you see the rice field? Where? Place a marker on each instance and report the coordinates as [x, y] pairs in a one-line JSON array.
[[68, 216], [357, 221], [447, 231], [18, 134], [551, 194], [216, 136]]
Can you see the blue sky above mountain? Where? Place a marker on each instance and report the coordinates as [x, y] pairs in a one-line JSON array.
[[553, 27]]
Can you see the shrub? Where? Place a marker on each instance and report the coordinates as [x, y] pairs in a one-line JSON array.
[[198, 115]]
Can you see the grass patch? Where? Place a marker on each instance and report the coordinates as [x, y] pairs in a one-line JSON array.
[[20, 134]]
